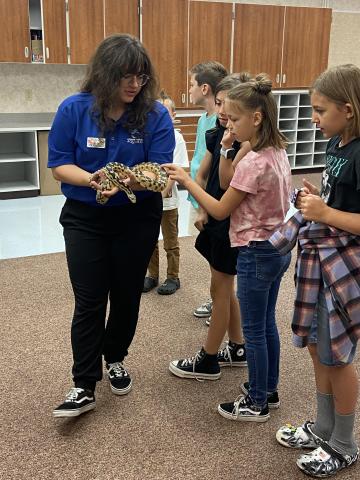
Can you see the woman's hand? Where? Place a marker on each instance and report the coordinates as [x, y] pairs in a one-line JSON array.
[[313, 208], [176, 173], [95, 183]]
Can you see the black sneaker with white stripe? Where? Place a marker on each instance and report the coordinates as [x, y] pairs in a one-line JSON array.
[[243, 409], [201, 366], [232, 355], [272, 398], [120, 381], [77, 401]]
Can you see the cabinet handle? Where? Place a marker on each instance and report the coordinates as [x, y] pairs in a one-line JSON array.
[[277, 78], [26, 52], [47, 52], [283, 79], [183, 98]]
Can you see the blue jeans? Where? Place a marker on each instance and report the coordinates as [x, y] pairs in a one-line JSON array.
[[260, 268]]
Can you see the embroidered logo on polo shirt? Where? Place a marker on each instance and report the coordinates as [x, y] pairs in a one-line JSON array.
[[135, 137], [94, 142]]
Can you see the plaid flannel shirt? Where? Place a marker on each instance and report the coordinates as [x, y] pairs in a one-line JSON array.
[[330, 258]]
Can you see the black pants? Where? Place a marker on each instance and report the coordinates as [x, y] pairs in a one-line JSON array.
[[108, 250]]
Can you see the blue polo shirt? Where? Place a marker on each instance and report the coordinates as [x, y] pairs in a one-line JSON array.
[[75, 139]]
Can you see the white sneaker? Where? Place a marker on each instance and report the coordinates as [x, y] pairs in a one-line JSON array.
[[204, 310]]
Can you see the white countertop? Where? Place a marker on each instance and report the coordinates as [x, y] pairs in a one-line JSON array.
[[23, 122]]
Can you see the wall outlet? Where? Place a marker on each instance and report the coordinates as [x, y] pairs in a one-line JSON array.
[[28, 95]]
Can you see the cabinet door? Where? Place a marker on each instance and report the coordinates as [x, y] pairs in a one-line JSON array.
[[210, 25], [122, 16], [86, 21], [258, 38], [14, 21], [165, 38], [306, 45], [54, 34]]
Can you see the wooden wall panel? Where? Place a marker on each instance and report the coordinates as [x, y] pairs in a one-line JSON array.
[[121, 16], [210, 32], [164, 31], [86, 18], [15, 31], [54, 15], [306, 44], [264, 25]]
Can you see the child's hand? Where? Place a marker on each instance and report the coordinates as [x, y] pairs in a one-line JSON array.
[[310, 188], [313, 208], [201, 219], [176, 173], [227, 139]]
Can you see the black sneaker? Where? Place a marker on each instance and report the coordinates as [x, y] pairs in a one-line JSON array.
[[244, 410], [77, 401], [202, 367], [149, 284], [120, 381], [272, 398], [232, 355], [169, 286]]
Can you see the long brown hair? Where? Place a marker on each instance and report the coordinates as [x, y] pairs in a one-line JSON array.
[[256, 95], [115, 57], [341, 85]]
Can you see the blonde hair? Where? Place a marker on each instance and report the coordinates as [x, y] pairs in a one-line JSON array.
[[231, 81], [255, 95], [341, 85], [164, 96]]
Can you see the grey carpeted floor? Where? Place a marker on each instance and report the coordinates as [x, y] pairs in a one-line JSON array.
[[166, 428]]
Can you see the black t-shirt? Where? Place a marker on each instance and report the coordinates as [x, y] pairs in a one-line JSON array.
[[340, 184], [213, 137]]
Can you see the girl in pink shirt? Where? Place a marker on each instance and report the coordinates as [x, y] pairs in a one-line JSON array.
[[258, 200]]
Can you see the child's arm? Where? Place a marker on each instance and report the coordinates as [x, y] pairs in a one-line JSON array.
[[219, 209], [204, 169], [313, 208], [227, 167]]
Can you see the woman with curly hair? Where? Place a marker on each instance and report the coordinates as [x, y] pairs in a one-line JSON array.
[[115, 118]]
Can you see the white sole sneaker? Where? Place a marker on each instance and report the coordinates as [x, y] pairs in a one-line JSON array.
[[121, 391], [242, 418], [195, 375], [73, 413]]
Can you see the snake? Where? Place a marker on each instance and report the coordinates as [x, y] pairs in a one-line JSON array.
[[113, 174]]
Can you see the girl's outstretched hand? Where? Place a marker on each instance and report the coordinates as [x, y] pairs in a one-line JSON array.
[[176, 173]]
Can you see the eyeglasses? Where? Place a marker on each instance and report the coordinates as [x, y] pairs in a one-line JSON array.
[[141, 79]]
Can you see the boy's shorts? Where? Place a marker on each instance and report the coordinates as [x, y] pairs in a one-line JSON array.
[[218, 252], [320, 335]]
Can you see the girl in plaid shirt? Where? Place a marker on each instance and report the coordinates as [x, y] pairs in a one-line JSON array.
[[334, 331]]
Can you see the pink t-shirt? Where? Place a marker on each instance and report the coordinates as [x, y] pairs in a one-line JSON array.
[[266, 177]]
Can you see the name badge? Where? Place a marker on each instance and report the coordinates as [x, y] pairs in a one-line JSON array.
[[94, 142]]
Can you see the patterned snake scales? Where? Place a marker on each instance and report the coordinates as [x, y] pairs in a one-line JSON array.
[[113, 174]]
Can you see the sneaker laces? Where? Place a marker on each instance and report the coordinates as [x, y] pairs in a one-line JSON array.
[[118, 369], [226, 353], [240, 399], [192, 361], [73, 394]]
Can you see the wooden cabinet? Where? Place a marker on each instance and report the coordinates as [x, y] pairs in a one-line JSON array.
[[54, 31], [165, 38], [15, 30], [210, 27], [122, 16], [86, 28], [306, 45], [264, 25], [289, 43]]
